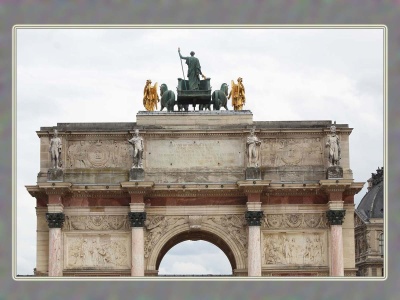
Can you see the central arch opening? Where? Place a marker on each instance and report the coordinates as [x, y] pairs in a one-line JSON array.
[[195, 254]]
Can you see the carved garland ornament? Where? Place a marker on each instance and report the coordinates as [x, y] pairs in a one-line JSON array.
[[295, 220], [99, 222]]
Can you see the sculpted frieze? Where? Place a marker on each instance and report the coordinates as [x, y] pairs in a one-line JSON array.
[[292, 152], [98, 154], [97, 251], [285, 248], [295, 220], [96, 222]]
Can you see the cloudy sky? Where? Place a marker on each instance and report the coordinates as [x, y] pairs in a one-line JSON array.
[[97, 75]]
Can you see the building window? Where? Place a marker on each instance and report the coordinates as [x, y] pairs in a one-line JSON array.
[[381, 249]]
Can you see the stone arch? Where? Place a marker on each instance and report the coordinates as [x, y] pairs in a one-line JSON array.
[[234, 252]]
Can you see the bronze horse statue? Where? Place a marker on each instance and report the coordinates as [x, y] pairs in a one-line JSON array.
[[219, 97], [167, 98]]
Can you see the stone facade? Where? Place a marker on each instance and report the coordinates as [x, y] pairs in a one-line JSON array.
[[195, 186]]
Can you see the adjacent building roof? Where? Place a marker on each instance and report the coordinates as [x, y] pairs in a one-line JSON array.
[[371, 206]]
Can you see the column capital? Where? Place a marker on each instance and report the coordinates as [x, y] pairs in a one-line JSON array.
[[253, 218], [335, 217], [137, 218], [55, 220]]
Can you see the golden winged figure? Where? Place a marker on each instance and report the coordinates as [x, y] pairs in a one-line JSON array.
[[150, 96], [238, 94]]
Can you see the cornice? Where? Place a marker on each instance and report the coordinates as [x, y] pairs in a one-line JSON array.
[[194, 193], [253, 186], [137, 187], [55, 188], [346, 186]]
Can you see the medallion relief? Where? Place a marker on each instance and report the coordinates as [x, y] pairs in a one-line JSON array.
[[97, 251], [284, 248], [292, 152]]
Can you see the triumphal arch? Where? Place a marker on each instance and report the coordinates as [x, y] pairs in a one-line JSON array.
[[277, 197]]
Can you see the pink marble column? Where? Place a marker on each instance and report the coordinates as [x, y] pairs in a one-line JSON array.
[[137, 268], [253, 217], [55, 221], [55, 253], [335, 218], [337, 268], [254, 251], [137, 217]]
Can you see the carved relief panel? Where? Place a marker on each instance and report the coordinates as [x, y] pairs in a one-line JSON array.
[[98, 154], [292, 152], [294, 248], [97, 251]]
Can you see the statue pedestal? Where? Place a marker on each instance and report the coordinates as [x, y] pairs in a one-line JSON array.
[[253, 173], [334, 172], [55, 174], [136, 174]]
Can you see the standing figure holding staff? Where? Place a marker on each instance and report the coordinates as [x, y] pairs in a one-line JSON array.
[[194, 70]]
